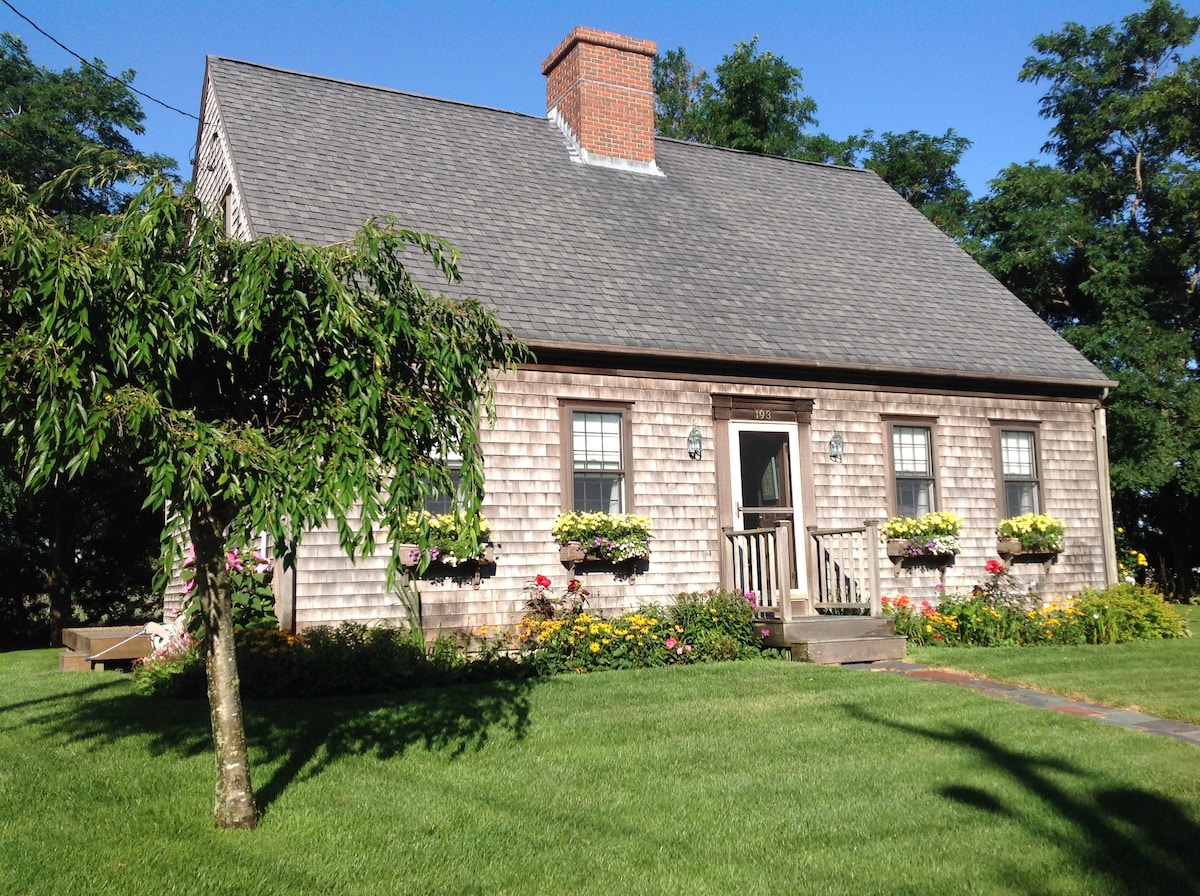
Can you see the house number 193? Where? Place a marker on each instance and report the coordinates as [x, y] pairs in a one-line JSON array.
[[762, 414]]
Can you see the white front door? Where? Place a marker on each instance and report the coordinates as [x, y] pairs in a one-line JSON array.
[[764, 460]]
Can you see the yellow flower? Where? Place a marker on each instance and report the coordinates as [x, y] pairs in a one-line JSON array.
[[594, 647]]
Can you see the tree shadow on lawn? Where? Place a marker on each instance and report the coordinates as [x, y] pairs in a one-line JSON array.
[[312, 735], [298, 739], [1144, 843]]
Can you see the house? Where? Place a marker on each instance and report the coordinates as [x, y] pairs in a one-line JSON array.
[[763, 355]]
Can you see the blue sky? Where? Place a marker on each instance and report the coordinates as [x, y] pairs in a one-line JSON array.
[[889, 65]]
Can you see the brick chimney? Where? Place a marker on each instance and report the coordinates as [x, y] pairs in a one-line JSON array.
[[600, 91]]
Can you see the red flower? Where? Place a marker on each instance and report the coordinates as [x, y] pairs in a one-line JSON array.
[[542, 582], [993, 567]]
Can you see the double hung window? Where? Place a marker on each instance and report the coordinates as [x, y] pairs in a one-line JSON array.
[[912, 470], [596, 452], [1019, 471]]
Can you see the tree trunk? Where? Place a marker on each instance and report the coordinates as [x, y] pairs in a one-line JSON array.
[[234, 805]]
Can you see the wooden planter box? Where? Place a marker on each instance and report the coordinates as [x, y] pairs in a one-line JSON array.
[[897, 549], [901, 559], [1011, 550], [574, 552], [410, 556]]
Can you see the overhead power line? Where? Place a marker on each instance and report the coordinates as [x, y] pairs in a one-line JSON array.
[[92, 65]]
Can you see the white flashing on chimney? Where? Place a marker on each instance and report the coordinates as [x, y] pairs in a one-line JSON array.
[[581, 156]]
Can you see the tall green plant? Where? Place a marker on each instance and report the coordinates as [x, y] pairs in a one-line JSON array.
[[269, 386], [1101, 242]]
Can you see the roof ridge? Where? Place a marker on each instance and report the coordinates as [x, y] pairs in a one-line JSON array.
[[762, 155], [482, 107], [364, 85]]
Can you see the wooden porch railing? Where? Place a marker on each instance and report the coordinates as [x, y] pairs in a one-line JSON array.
[[847, 568], [762, 563]]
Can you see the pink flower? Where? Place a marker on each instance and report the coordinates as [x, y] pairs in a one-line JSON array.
[[679, 651], [671, 642], [766, 633], [542, 582], [189, 555], [993, 567], [261, 563], [687, 647], [189, 585], [752, 598], [233, 561]]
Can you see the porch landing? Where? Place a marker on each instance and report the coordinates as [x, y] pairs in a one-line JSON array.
[[88, 648], [832, 640]]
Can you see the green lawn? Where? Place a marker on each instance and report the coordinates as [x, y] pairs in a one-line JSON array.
[[743, 778], [1161, 678]]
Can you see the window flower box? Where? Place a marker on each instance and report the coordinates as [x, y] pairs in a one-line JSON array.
[[1030, 534], [933, 535], [446, 541], [410, 556], [607, 537]]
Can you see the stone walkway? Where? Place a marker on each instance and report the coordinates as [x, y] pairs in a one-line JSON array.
[[1125, 718]]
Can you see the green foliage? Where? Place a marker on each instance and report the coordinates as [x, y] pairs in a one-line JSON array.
[[695, 627], [922, 169], [677, 86], [326, 661], [1102, 243], [51, 117], [81, 552], [251, 592], [1128, 612], [995, 617], [268, 386], [271, 382], [756, 104], [174, 670]]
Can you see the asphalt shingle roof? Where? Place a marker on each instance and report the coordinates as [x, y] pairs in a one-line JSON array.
[[729, 254]]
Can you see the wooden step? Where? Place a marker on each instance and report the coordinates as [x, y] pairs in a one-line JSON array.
[[834, 651], [810, 628]]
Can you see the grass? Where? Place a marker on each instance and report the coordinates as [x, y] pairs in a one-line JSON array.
[[750, 778], [1161, 678]]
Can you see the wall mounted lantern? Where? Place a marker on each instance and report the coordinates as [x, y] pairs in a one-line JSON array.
[[837, 447], [695, 448]]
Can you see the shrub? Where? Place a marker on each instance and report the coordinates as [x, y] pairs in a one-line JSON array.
[[993, 616], [1129, 612], [585, 642], [694, 627], [174, 670], [720, 624], [328, 661]]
